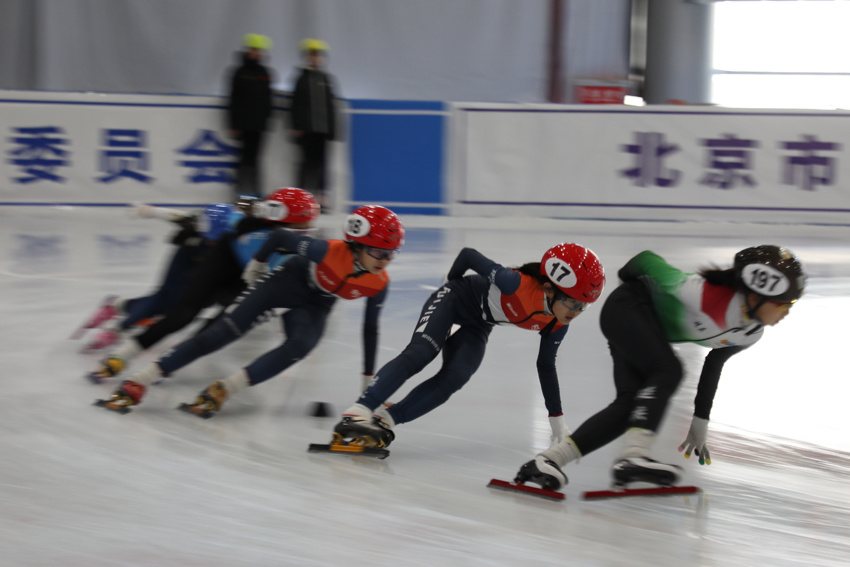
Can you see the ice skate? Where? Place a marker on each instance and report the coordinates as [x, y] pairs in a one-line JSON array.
[[102, 340], [365, 431], [644, 469], [542, 471], [109, 367], [208, 402], [128, 395], [104, 313]]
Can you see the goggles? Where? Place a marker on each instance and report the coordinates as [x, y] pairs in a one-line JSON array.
[[784, 305], [382, 253], [571, 304]]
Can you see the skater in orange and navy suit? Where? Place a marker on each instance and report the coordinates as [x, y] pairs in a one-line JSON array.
[[308, 285], [543, 296]]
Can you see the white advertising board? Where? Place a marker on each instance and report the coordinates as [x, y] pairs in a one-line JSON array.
[[85, 148], [675, 162]]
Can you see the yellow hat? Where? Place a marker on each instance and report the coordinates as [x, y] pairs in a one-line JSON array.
[[310, 44], [257, 41]]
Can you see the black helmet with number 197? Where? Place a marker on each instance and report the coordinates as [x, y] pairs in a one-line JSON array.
[[771, 271]]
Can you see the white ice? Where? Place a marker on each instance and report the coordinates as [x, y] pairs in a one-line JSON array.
[[81, 486]]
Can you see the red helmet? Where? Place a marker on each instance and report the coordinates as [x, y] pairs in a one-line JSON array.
[[287, 205], [375, 226], [575, 270]]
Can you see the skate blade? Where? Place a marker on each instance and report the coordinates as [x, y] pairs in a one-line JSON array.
[[349, 449], [95, 378], [105, 404], [92, 349], [654, 491], [190, 408], [524, 488]]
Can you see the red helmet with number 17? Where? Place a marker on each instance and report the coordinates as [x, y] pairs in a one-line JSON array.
[[375, 226], [288, 205], [575, 270]]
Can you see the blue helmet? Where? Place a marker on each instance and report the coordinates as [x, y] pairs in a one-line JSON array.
[[215, 220]]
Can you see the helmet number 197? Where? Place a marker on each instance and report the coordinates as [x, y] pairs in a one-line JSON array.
[[765, 280], [760, 279]]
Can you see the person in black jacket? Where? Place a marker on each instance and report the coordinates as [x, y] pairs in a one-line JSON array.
[[249, 109], [313, 118]]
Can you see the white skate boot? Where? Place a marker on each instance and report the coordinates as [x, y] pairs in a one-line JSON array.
[[360, 427], [644, 469], [542, 471]]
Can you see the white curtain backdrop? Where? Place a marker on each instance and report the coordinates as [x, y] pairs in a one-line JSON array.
[[451, 50]]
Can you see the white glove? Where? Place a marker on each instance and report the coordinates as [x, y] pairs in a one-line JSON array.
[[254, 271], [695, 441], [142, 211], [560, 431]]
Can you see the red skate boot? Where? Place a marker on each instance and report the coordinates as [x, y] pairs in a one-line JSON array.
[[128, 395]]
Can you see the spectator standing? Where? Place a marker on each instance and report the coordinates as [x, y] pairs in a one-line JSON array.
[[313, 121], [249, 109]]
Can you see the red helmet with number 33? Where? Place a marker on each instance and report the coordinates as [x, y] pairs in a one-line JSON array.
[[575, 271], [375, 226], [288, 205]]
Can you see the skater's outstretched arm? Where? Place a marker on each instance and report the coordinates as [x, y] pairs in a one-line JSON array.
[[505, 279], [710, 377], [283, 239], [371, 317], [546, 371]]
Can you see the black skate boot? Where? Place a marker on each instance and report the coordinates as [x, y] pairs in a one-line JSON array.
[[542, 471], [368, 432], [644, 469]]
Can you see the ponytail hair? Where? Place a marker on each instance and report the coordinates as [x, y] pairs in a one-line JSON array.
[[718, 276], [533, 269]]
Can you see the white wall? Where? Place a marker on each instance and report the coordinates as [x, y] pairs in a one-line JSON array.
[[465, 50]]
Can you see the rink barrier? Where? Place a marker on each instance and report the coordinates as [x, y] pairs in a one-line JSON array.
[[425, 157]]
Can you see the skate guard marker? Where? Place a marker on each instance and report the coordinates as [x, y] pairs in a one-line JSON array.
[[205, 414], [533, 490], [654, 491], [377, 452]]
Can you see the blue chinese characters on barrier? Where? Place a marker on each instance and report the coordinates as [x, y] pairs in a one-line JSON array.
[[730, 162], [39, 154]]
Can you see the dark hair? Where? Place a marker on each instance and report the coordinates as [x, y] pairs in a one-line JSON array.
[[718, 276], [533, 269]]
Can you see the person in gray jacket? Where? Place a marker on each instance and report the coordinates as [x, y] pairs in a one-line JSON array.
[[313, 121]]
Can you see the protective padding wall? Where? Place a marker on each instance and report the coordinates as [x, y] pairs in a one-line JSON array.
[[85, 148], [397, 154], [654, 162]]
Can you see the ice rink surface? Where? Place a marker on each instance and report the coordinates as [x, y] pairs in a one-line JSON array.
[[81, 486]]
